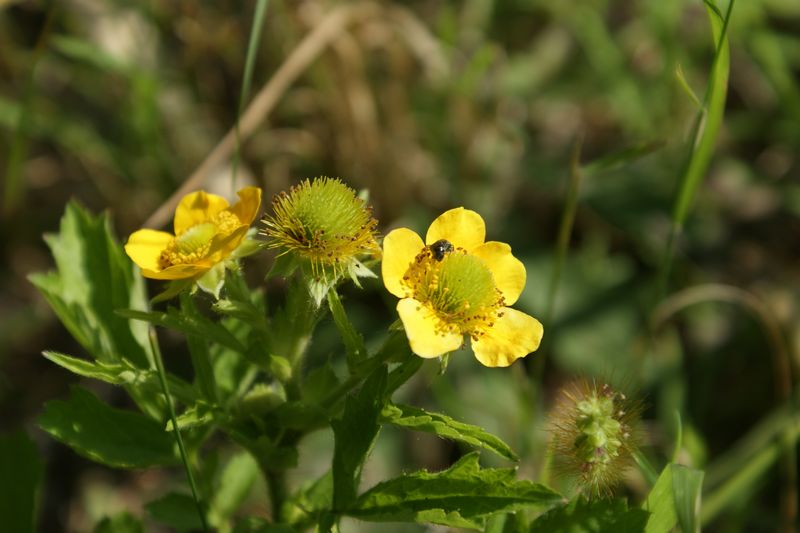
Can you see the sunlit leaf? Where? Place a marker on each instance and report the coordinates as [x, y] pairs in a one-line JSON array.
[[461, 496], [442, 425]]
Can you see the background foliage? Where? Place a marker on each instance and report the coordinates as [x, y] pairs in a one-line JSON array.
[[429, 105]]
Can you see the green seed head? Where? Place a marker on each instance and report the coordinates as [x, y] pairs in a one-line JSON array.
[[323, 222], [594, 435]]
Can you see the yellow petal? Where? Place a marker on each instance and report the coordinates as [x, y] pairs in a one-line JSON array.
[[177, 271], [400, 247], [196, 208], [462, 227], [247, 207], [420, 324], [513, 335], [223, 245], [144, 247], [507, 270]]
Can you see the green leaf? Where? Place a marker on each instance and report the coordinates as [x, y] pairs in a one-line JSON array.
[[461, 496], [109, 436], [353, 341], [446, 427], [120, 523], [687, 484], [591, 516], [114, 373], [354, 435], [196, 325], [233, 488], [178, 511], [123, 373], [22, 473], [675, 497], [93, 278]]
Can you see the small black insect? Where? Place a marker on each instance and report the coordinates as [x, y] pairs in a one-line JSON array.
[[441, 248]]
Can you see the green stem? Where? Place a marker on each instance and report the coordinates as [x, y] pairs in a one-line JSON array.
[[276, 483], [176, 431]]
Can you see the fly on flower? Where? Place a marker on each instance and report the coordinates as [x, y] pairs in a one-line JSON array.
[[208, 230], [455, 284]]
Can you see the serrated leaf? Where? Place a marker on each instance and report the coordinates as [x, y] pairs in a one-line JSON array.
[[442, 425], [178, 511], [591, 516], [22, 472], [461, 496], [354, 434], [113, 437], [94, 277], [196, 325], [352, 339]]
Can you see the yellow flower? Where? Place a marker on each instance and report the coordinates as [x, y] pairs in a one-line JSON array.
[[207, 231], [456, 284]]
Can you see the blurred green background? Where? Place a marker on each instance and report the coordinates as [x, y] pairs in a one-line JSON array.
[[433, 104]]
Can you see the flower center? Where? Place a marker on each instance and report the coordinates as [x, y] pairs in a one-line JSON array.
[[195, 243], [458, 287]]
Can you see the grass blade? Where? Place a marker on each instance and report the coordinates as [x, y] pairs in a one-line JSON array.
[[252, 46], [706, 129]]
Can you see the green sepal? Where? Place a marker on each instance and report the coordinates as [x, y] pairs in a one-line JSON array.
[[213, 280]]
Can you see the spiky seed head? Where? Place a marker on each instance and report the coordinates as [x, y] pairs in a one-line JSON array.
[[595, 432]]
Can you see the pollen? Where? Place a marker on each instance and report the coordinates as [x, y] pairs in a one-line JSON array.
[[190, 246], [459, 288]]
